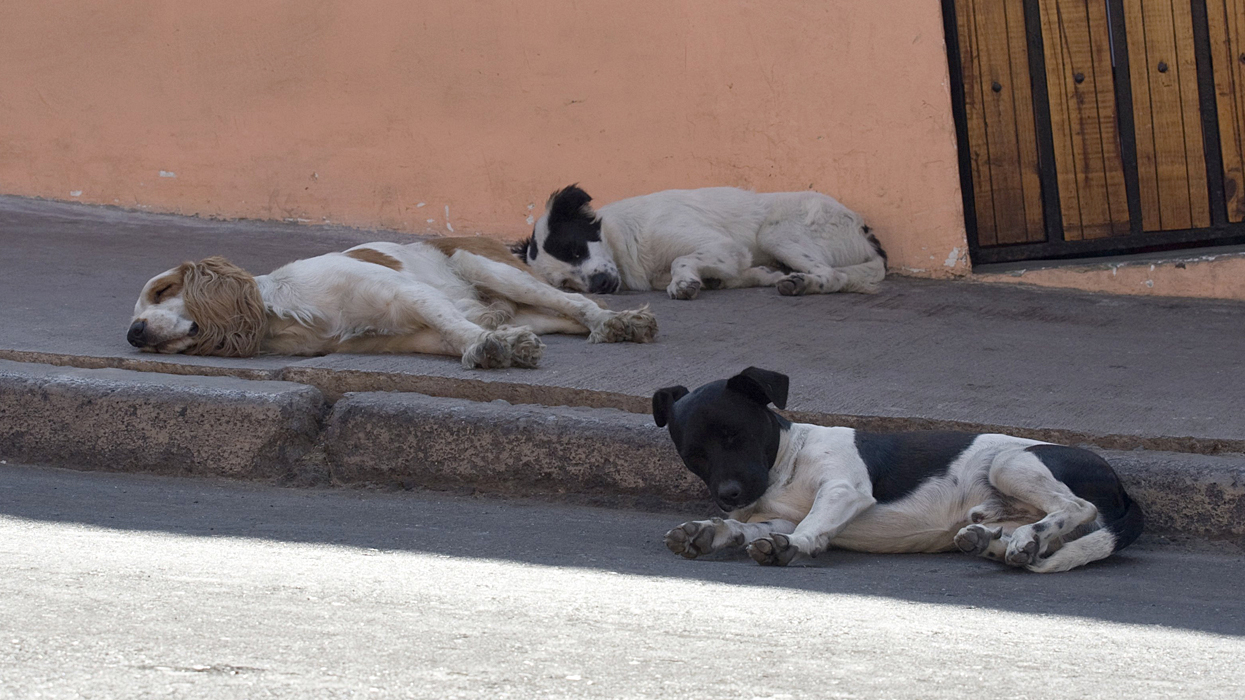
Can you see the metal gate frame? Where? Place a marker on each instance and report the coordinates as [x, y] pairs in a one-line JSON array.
[[1220, 232]]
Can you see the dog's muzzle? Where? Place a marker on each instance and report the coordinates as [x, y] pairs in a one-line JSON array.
[[602, 283], [730, 495], [136, 336]]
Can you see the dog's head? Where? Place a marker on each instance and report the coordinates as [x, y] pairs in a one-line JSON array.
[[566, 247], [210, 307], [725, 432]]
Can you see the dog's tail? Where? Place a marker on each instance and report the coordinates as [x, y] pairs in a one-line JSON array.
[[873, 241], [864, 277], [1099, 544]]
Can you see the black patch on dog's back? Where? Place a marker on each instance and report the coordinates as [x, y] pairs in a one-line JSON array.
[[572, 225], [900, 462]]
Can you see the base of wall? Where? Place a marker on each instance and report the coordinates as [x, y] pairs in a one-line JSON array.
[[1211, 273]]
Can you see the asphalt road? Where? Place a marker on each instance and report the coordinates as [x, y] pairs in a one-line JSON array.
[[135, 586]]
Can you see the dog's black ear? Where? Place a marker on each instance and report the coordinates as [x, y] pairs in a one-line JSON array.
[[569, 204], [525, 248], [761, 385], [663, 401]]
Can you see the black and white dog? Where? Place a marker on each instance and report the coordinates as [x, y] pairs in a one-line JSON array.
[[795, 490], [683, 240]]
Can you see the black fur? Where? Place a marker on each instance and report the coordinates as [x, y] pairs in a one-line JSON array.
[[572, 225], [1090, 477], [761, 385], [900, 462], [877, 246], [522, 249], [663, 401], [725, 434]]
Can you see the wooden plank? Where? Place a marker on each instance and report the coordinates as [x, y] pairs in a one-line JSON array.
[[1026, 128], [1010, 133], [974, 112], [1170, 159], [1058, 80], [1227, 39], [1143, 114], [1190, 101], [1089, 166]]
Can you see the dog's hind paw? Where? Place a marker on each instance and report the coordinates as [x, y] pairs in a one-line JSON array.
[[527, 348], [1024, 548], [634, 326], [793, 285], [775, 550], [976, 539], [489, 352], [684, 289]]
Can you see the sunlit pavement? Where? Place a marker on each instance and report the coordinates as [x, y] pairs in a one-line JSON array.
[[134, 586]]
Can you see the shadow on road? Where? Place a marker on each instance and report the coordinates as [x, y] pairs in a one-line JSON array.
[[1148, 584]]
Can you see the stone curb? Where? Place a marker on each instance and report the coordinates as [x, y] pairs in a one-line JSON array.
[[426, 441], [1196, 495], [119, 420], [333, 383]]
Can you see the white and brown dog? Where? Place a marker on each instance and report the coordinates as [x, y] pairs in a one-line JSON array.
[[685, 240], [795, 490], [465, 297]]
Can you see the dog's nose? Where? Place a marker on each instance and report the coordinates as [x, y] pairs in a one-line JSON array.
[[136, 333], [602, 283], [729, 492]]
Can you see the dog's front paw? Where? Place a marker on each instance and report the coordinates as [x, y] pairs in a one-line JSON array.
[[684, 289], [508, 346], [976, 539], [696, 538], [1024, 548], [793, 285], [635, 326], [775, 550]]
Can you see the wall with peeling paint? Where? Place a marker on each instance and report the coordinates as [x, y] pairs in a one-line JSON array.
[[435, 116]]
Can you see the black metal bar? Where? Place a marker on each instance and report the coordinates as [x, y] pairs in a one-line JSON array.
[[1125, 119], [1230, 234], [960, 116], [1210, 114], [1041, 121]]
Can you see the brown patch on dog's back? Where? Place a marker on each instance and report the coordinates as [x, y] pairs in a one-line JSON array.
[[375, 256], [490, 248]]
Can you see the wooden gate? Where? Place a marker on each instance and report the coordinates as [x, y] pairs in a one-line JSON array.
[[1091, 127]]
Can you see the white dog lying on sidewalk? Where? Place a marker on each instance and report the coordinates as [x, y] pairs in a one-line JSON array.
[[448, 296], [683, 240]]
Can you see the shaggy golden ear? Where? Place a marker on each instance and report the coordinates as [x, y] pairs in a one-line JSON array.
[[224, 301]]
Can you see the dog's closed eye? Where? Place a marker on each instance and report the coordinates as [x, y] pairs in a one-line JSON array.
[[698, 464], [165, 292]]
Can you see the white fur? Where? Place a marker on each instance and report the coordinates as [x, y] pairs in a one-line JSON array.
[[452, 305], [677, 239], [820, 496]]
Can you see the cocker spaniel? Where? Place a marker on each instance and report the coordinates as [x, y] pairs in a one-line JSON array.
[[465, 297]]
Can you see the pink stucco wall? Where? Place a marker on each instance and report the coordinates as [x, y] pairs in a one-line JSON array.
[[427, 116]]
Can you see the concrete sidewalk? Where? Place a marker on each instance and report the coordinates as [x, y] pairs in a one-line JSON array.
[[1121, 373], [1158, 384]]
